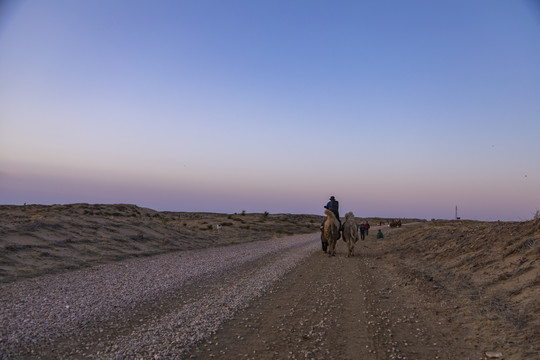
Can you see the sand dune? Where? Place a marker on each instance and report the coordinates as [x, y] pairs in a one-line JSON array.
[[38, 239]]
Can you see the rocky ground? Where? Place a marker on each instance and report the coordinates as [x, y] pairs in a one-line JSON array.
[[430, 290]]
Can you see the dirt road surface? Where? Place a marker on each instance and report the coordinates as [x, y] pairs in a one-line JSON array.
[[342, 308], [369, 307]]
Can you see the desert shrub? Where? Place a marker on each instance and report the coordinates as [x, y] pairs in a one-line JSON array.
[[265, 214], [227, 224], [229, 216], [243, 213], [209, 227], [279, 231]]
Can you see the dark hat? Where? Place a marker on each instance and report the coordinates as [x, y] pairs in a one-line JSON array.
[[332, 197]]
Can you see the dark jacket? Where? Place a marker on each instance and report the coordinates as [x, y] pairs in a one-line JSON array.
[[333, 206]]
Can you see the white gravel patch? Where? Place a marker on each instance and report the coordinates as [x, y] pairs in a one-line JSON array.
[[35, 313]]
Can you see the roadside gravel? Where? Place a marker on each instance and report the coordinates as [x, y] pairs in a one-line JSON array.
[[156, 307]]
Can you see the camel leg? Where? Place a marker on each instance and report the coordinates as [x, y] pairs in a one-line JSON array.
[[333, 248]]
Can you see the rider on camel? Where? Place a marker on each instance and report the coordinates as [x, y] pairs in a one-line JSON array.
[[333, 206]]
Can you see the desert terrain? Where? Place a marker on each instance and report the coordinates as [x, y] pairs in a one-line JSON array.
[[428, 290], [38, 239]]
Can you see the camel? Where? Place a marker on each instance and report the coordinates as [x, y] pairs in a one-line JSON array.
[[350, 232], [331, 231]]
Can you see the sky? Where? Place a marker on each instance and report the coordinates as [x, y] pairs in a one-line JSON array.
[[397, 108]]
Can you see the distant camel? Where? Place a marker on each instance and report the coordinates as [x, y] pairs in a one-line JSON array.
[[331, 231], [350, 232]]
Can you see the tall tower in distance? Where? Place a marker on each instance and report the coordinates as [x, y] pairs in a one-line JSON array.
[[457, 217]]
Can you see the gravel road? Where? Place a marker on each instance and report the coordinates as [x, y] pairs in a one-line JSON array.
[[156, 307]]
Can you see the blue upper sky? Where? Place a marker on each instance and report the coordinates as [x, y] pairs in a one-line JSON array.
[[398, 108]]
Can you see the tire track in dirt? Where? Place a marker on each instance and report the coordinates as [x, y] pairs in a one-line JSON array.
[[340, 308], [318, 311]]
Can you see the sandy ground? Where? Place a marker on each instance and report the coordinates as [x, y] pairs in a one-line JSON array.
[[431, 290], [443, 290]]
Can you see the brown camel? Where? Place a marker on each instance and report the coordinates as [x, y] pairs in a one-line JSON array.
[[331, 231]]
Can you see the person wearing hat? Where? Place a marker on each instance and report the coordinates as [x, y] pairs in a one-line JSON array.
[[333, 206]]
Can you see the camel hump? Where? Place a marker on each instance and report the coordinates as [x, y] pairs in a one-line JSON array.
[[349, 215], [330, 213]]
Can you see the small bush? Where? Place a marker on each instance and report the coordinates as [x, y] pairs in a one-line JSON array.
[[243, 213], [265, 214]]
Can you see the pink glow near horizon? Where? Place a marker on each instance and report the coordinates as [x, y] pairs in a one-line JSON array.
[[409, 200]]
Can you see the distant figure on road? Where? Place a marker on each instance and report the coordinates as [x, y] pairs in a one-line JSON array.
[[380, 234], [367, 228], [362, 231]]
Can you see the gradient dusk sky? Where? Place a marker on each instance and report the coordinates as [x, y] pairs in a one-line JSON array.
[[398, 108]]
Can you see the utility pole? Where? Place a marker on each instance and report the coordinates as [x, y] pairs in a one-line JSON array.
[[457, 217]]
